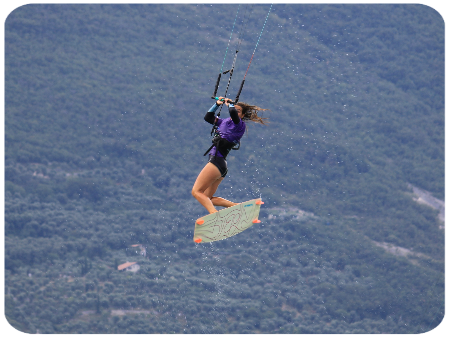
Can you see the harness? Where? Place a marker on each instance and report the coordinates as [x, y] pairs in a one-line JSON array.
[[223, 145]]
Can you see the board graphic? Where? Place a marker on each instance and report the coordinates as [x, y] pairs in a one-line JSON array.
[[227, 222]]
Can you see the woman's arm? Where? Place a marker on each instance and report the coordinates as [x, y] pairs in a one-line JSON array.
[[234, 114], [210, 115]]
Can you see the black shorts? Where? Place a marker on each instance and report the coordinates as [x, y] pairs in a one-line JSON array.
[[220, 163]]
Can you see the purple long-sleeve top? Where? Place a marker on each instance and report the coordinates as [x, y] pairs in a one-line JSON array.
[[232, 128]]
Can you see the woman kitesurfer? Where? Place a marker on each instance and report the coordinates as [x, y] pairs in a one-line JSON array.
[[228, 134]]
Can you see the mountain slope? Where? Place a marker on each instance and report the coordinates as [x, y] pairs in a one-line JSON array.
[[104, 136]]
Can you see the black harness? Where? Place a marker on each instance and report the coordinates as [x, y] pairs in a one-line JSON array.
[[223, 145]]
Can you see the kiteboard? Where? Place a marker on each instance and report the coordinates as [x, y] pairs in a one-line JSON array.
[[227, 222]]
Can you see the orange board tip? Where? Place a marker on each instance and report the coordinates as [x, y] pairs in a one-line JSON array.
[[198, 240], [259, 202], [256, 221], [200, 221]]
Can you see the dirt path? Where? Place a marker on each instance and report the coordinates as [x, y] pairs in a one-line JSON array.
[[426, 198]]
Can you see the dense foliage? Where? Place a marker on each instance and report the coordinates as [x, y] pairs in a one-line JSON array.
[[104, 136]]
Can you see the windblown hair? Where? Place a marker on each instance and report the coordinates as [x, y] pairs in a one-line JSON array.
[[250, 113]]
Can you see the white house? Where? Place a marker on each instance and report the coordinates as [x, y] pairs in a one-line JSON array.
[[129, 266]]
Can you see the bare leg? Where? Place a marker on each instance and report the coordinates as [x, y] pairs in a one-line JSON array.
[[209, 178], [217, 201]]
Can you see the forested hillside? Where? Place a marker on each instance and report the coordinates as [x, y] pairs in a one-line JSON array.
[[104, 138]]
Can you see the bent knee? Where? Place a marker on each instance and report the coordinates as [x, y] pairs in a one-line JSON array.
[[196, 192]]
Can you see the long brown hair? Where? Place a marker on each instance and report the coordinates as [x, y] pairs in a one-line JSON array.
[[250, 113]]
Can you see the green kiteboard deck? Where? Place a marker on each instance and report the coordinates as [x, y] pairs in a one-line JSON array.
[[227, 222]]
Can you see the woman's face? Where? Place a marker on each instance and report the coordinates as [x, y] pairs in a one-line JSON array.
[[239, 110]]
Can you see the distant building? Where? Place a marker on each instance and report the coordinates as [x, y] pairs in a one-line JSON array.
[[129, 266], [143, 251]]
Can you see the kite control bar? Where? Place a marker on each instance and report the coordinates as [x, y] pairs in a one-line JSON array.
[[218, 98]]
